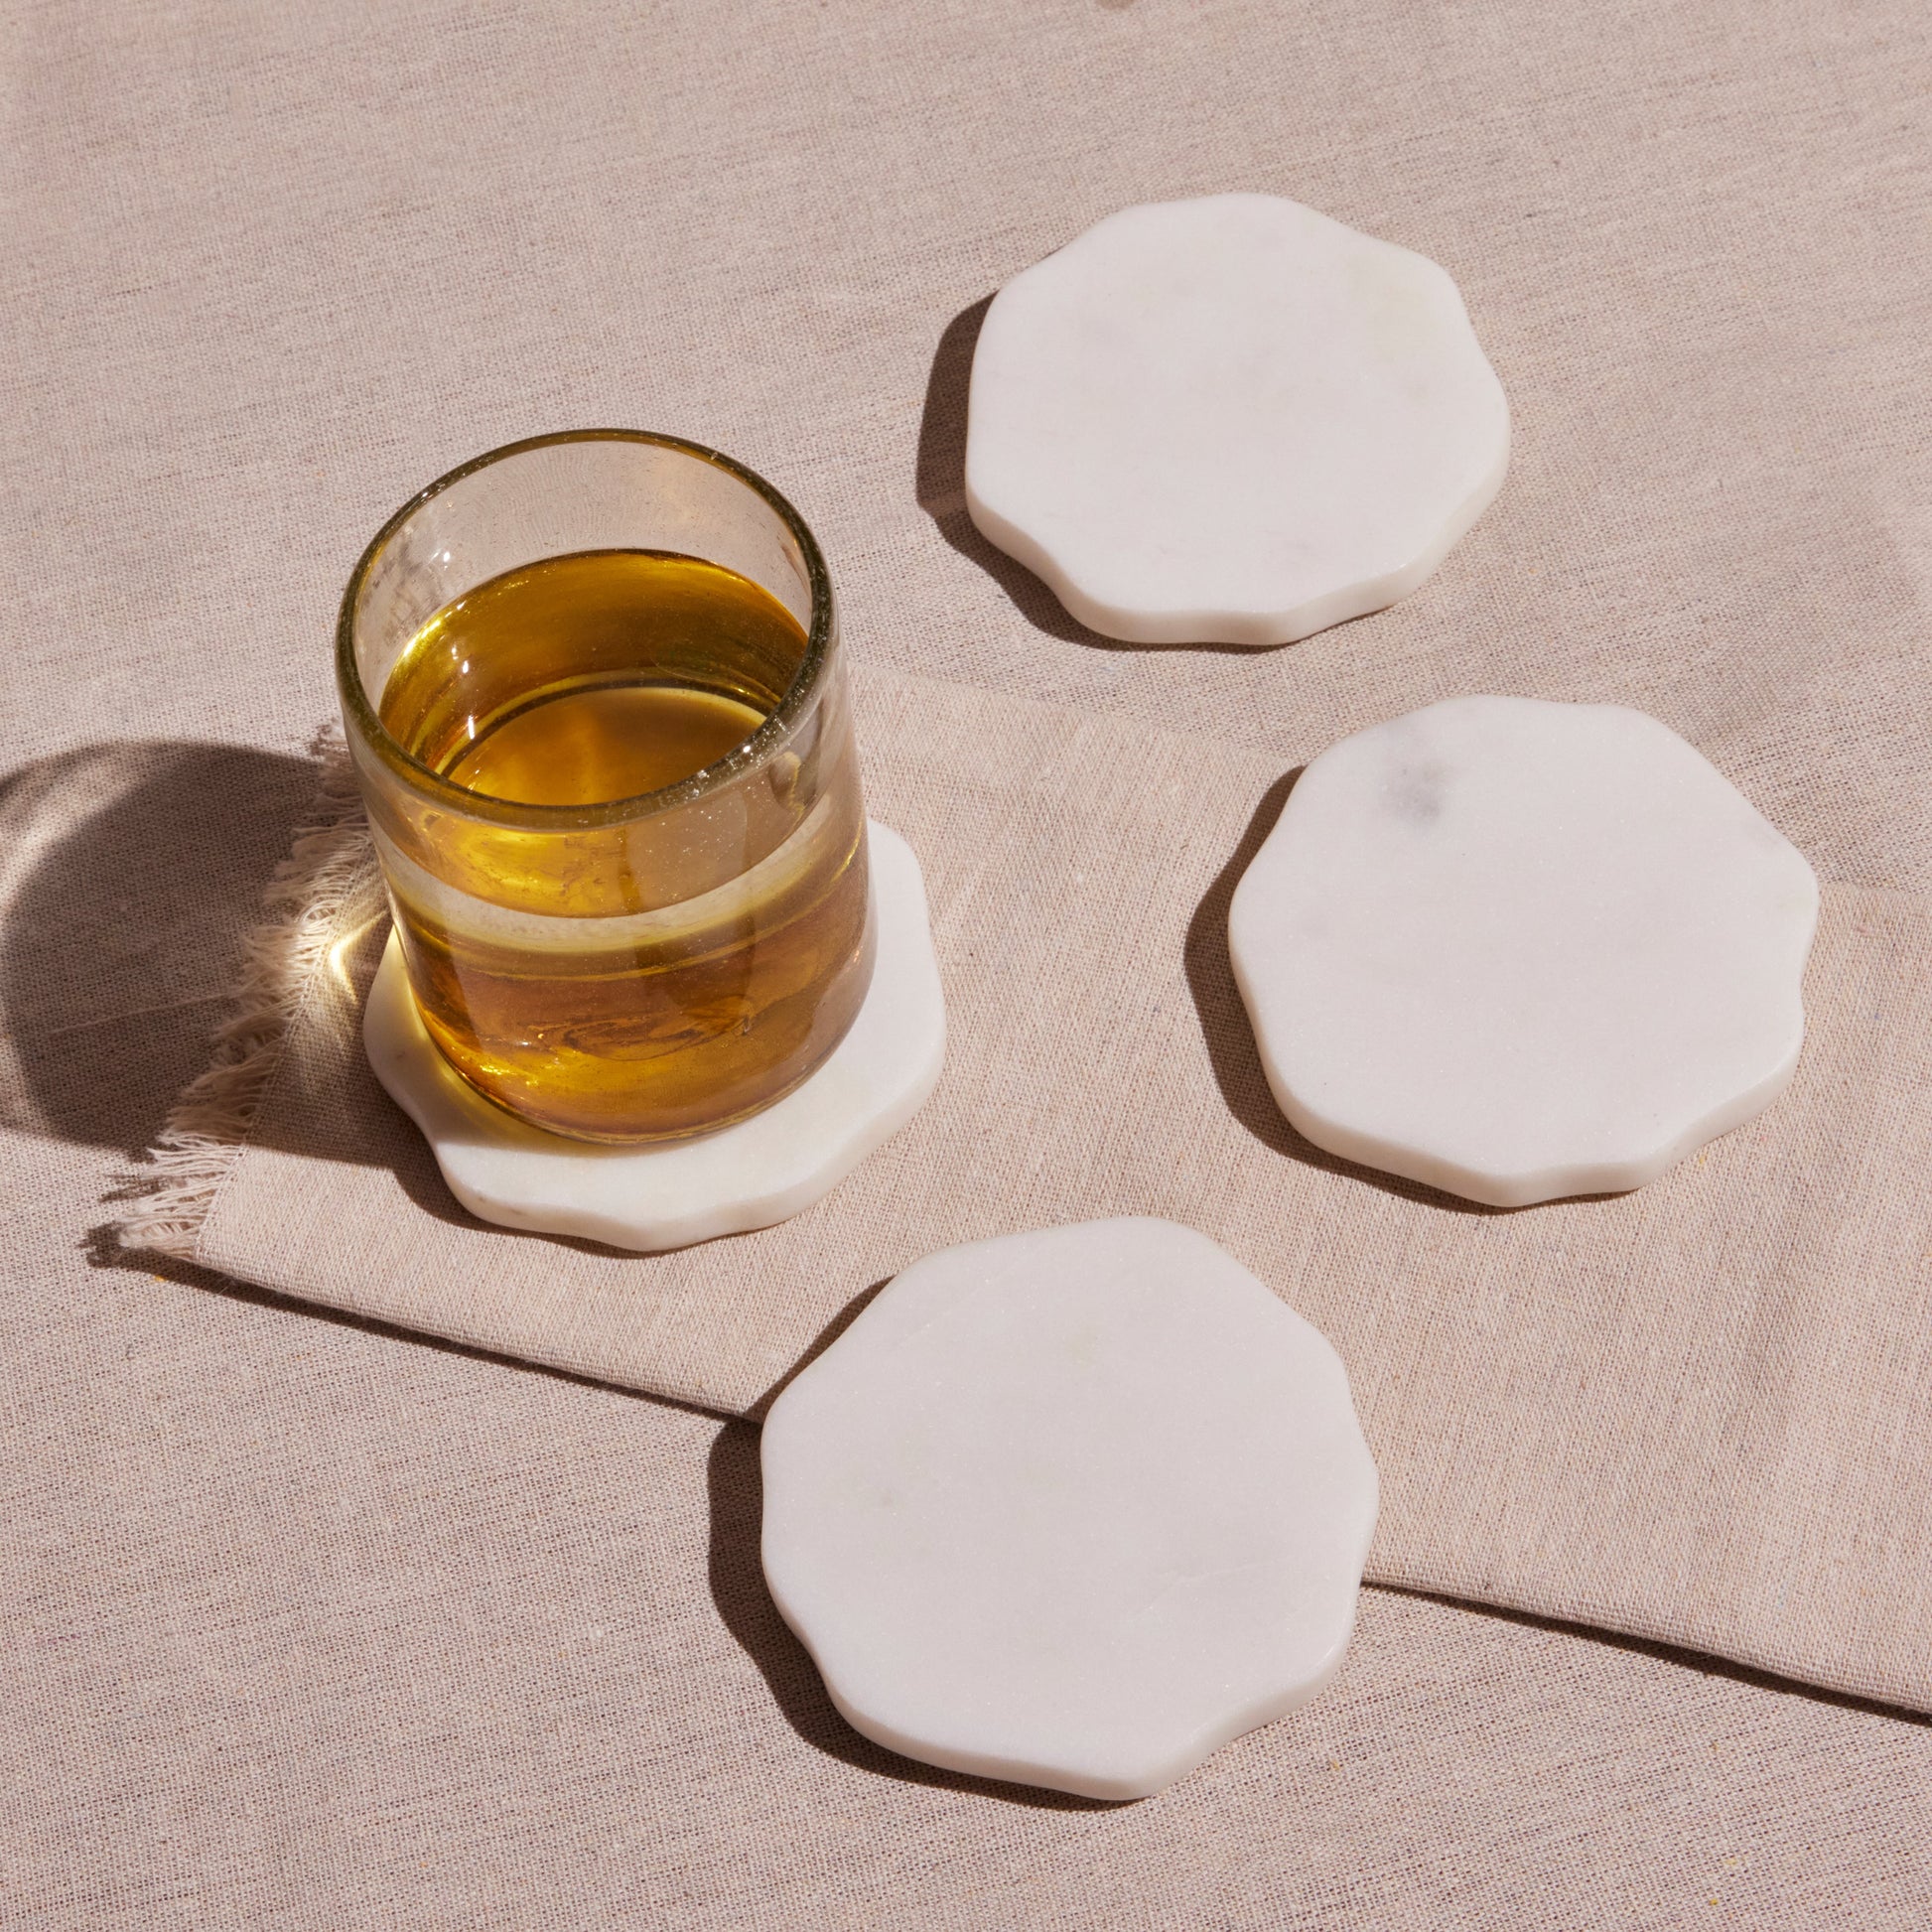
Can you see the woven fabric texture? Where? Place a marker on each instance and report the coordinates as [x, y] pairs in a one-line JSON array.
[[313, 1625]]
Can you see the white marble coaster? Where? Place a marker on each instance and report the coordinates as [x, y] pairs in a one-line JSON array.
[[748, 1176], [1230, 420], [1072, 1508], [1519, 950]]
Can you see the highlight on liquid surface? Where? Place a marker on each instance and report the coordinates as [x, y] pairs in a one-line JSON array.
[[674, 971]]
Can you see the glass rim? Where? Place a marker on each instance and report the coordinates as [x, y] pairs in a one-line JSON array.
[[743, 757]]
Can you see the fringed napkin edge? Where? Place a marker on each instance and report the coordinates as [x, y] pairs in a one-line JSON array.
[[164, 1203]]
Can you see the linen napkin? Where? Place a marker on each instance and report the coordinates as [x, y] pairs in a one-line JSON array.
[[1695, 1413]]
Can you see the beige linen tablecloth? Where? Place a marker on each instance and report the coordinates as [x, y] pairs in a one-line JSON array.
[[310, 1625]]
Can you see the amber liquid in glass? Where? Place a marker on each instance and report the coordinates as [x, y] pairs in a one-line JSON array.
[[669, 973]]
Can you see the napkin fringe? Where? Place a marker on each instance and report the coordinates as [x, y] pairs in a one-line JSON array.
[[169, 1198]]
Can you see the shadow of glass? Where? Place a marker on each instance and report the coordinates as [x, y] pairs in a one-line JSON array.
[[130, 877], [940, 486]]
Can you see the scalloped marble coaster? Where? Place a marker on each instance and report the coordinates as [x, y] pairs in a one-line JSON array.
[[1230, 420], [748, 1176], [1519, 950], [1072, 1508]]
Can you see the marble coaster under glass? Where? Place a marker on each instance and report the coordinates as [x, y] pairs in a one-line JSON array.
[[747, 1176]]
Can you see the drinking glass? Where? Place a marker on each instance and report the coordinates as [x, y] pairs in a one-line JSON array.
[[638, 968]]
